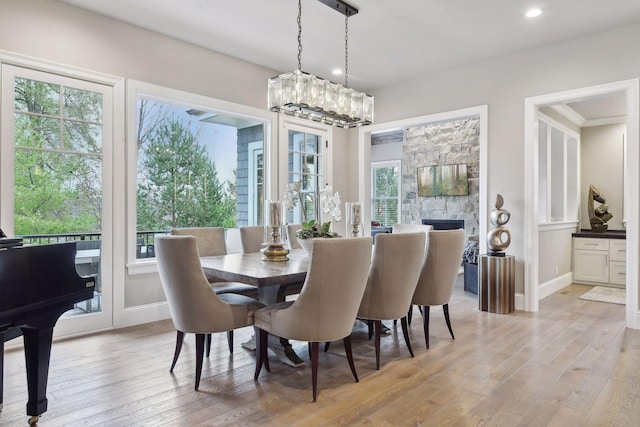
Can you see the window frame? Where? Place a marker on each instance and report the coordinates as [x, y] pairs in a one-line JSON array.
[[163, 94], [380, 165]]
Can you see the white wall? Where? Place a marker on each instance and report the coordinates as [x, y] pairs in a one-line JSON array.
[[602, 165], [387, 151], [57, 32], [503, 83]]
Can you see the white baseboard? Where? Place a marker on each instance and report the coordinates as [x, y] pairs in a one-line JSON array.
[[519, 302], [143, 314], [547, 288]]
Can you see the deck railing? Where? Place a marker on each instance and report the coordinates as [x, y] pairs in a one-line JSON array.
[[144, 240]]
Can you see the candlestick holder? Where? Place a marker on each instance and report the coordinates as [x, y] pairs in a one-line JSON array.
[[275, 250], [354, 219]]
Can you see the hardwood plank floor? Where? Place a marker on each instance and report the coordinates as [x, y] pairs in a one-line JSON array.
[[571, 363]]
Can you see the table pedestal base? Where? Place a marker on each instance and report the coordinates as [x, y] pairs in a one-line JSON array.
[[281, 347]]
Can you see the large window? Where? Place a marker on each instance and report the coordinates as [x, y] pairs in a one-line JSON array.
[[196, 167], [385, 191]]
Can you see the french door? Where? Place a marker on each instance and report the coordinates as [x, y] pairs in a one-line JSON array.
[[55, 175], [305, 162]]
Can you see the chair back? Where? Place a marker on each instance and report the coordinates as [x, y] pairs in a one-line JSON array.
[[252, 238], [441, 267], [413, 228], [395, 268], [291, 235], [209, 240], [329, 300], [194, 307]]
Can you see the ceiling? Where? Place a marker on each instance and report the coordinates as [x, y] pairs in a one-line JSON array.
[[389, 41]]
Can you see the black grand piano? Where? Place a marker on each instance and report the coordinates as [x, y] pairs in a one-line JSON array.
[[37, 285]]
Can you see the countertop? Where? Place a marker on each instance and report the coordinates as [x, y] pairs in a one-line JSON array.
[[610, 234]]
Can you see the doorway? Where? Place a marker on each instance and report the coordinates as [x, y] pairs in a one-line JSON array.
[[364, 157], [631, 190]]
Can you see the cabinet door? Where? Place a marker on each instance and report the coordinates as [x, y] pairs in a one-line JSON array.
[[618, 250], [591, 266], [618, 273]]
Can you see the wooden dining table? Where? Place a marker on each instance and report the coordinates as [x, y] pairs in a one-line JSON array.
[[270, 278]]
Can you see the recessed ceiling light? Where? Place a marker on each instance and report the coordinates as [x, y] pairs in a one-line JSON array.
[[532, 13], [336, 72]]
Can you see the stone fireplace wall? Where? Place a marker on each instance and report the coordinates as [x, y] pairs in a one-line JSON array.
[[452, 142]]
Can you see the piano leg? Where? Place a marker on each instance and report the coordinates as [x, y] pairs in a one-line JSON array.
[[37, 350], [1, 368]]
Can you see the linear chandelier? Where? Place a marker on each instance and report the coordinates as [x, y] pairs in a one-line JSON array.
[[304, 95]]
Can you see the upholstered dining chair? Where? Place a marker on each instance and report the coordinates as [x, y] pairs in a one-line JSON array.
[[413, 228], [395, 268], [291, 235], [210, 241], [327, 305], [194, 307], [252, 238], [439, 273]]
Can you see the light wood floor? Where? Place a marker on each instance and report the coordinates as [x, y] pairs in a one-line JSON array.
[[573, 363]]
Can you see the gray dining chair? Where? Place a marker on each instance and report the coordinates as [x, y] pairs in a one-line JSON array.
[[210, 241], [194, 307], [252, 238], [438, 275], [327, 305], [395, 268]]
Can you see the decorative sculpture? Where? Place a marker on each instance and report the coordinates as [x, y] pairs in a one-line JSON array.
[[598, 216], [499, 237]]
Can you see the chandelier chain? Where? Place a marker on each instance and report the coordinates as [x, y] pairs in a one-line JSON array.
[[346, 51], [299, 35]]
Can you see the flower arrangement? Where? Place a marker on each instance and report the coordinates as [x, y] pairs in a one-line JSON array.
[[330, 205]]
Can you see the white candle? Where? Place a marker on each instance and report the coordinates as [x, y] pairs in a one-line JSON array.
[[355, 214], [274, 214]]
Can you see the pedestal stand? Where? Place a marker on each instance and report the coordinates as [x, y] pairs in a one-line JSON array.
[[496, 280]]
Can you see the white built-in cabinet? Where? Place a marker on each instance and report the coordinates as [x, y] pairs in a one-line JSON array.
[[599, 260]]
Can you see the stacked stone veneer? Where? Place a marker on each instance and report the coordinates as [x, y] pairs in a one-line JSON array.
[[451, 142]]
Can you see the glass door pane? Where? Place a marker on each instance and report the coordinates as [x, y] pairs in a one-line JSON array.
[[55, 130]]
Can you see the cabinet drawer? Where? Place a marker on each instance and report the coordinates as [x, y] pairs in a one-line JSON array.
[[618, 250], [618, 273], [591, 244]]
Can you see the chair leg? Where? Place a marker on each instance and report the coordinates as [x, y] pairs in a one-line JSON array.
[[370, 328], [199, 357], [347, 349], [207, 344], [261, 351], [446, 317], [410, 313], [326, 346], [405, 333], [425, 323], [314, 368], [229, 341], [176, 353], [377, 328]]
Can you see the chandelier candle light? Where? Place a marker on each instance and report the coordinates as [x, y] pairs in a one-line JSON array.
[[275, 250], [304, 95]]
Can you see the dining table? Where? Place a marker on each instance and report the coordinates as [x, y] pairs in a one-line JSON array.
[[271, 278]]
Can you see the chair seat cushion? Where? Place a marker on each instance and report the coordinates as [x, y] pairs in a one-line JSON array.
[[263, 318], [235, 288], [242, 306]]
